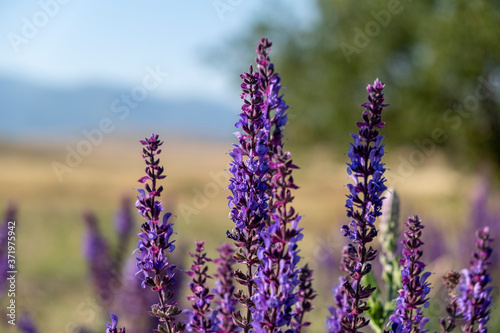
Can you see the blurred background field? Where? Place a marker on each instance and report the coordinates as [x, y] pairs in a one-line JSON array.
[[54, 282], [86, 62]]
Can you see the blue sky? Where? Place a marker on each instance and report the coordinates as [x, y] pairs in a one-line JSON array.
[[88, 41]]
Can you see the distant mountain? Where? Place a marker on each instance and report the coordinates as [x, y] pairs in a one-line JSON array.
[[29, 110]]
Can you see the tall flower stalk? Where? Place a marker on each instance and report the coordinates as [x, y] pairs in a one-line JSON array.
[[408, 315], [364, 203], [474, 300], [200, 319], [277, 276], [158, 273], [224, 289], [248, 185]]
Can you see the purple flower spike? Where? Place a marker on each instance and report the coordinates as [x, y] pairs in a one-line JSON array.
[[276, 302], [248, 186], [200, 319], [111, 327], [408, 316], [305, 296], [474, 299], [154, 239], [270, 86], [224, 289], [364, 204], [277, 276]]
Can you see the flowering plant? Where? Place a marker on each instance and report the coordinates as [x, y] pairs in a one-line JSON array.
[[261, 284]]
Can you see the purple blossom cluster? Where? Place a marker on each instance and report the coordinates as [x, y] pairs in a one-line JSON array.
[[158, 272], [277, 275], [408, 315], [224, 289], [470, 300], [364, 204], [248, 185], [474, 300], [266, 235], [271, 252], [200, 319]]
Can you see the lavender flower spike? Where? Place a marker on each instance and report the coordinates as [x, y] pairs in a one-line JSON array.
[[248, 185], [155, 240], [407, 316], [200, 319], [277, 276], [275, 301], [224, 289], [364, 204], [474, 301]]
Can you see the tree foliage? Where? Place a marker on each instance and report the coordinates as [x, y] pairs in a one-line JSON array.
[[440, 60]]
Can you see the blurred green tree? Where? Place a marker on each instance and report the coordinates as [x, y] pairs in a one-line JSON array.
[[439, 59]]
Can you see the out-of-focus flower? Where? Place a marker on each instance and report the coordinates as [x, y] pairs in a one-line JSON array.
[[124, 226], [224, 289], [474, 299], [26, 324], [96, 251]]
